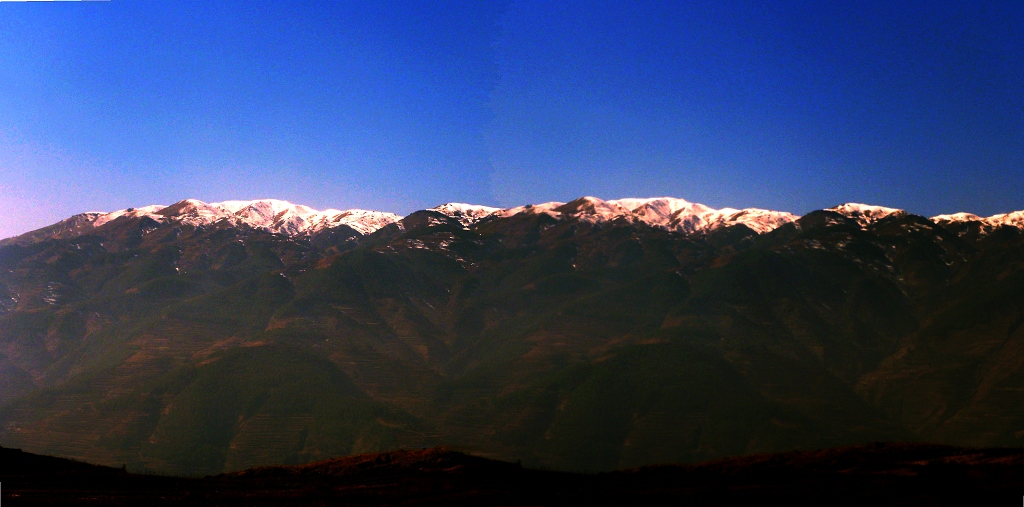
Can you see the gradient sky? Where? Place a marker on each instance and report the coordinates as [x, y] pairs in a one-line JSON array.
[[399, 106]]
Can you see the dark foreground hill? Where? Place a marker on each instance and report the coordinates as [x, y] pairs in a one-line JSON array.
[[878, 474]]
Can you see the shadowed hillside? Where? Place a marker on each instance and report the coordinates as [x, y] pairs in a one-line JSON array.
[[562, 341]]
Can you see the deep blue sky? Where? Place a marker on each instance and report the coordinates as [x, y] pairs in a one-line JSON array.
[[401, 106]]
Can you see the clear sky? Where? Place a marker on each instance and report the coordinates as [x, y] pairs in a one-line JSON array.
[[399, 106]]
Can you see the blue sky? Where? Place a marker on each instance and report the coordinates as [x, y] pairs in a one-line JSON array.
[[399, 106]]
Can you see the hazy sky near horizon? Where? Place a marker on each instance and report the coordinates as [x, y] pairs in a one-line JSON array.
[[399, 106]]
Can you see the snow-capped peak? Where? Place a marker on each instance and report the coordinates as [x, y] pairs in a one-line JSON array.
[[272, 215], [957, 217], [865, 213], [586, 209], [266, 207], [1012, 219], [758, 220], [592, 209], [668, 212], [363, 221], [194, 212], [1015, 219], [662, 212], [145, 211], [548, 208], [465, 213]]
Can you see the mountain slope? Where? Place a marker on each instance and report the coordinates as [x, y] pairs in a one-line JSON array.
[[590, 335]]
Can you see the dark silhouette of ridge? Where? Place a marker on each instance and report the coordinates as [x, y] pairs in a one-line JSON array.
[[875, 474], [16, 463]]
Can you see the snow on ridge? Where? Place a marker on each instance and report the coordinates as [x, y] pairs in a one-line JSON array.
[[465, 213], [363, 221], [687, 217], [1011, 219], [461, 207], [758, 220], [592, 209], [296, 219], [865, 213], [273, 205], [548, 208], [272, 215], [1015, 219], [668, 213], [145, 211], [195, 212], [957, 217]]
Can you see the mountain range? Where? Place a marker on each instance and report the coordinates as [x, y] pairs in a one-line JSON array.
[[200, 338]]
